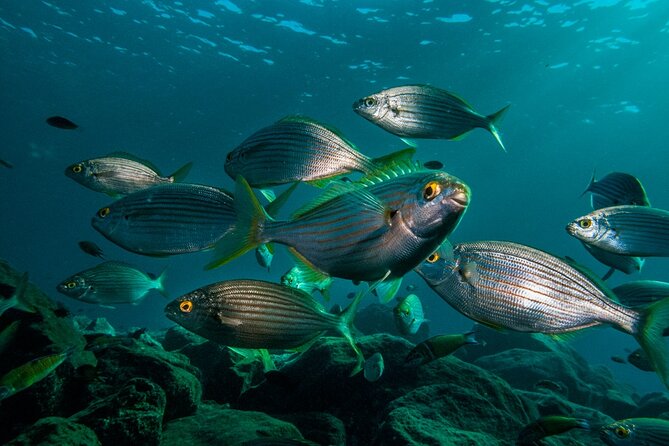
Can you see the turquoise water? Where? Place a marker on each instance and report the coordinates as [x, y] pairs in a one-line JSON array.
[[187, 81]]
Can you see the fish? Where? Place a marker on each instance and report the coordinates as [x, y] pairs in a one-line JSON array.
[[307, 279], [641, 293], [369, 232], [619, 262], [433, 165], [91, 248], [61, 123], [618, 359], [409, 315], [628, 230], [121, 173], [7, 164], [17, 298], [636, 432], [167, 220], [264, 255], [112, 282], [639, 359], [548, 385], [439, 346], [7, 335], [507, 285], [299, 148], [615, 189], [26, 375], [424, 111], [256, 314], [373, 368], [547, 426]]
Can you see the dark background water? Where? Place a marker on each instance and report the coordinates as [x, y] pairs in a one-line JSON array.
[[187, 81]]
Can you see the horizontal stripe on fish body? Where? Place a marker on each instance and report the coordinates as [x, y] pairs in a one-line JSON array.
[[636, 431], [629, 230], [167, 220], [253, 314], [616, 189], [641, 293], [513, 286]]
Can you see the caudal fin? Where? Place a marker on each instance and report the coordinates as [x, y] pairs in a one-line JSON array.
[[160, 283], [347, 318], [245, 233], [493, 125], [181, 173], [655, 321]]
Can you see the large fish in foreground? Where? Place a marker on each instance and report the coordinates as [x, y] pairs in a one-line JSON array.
[[257, 314], [297, 148], [423, 111], [512, 286], [636, 432], [121, 174], [630, 230], [363, 234]]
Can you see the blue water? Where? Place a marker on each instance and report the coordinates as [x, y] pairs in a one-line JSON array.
[[187, 81]]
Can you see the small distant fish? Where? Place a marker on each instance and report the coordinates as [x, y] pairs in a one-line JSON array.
[[549, 385], [373, 368], [111, 283], [298, 148], [639, 359], [548, 426], [616, 189], [636, 432], [120, 174], [7, 335], [61, 123], [29, 373], [264, 255], [622, 263], [410, 288], [439, 346], [641, 293], [91, 248], [308, 279], [409, 315], [6, 164], [16, 300], [256, 314], [433, 165], [423, 111], [618, 359], [629, 230]]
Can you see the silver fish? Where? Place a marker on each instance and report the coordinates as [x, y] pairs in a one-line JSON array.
[[513, 286], [167, 220], [616, 189], [304, 278], [121, 174], [636, 432], [373, 369], [629, 230], [424, 111], [110, 283], [298, 148], [409, 315], [622, 263], [641, 293], [264, 255], [258, 314]]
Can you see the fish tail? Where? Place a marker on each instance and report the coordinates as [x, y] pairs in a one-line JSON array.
[[181, 173], [245, 233], [277, 203], [400, 156], [654, 320], [347, 318], [493, 123], [590, 183], [17, 300], [160, 283], [470, 338], [387, 289]]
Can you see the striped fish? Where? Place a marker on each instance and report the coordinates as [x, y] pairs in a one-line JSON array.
[[622, 263], [298, 148], [364, 234], [512, 286], [547, 426], [616, 189], [121, 174], [641, 293], [409, 315], [423, 111], [257, 314], [438, 346], [636, 432], [629, 230], [26, 375], [168, 219], [110, 283]]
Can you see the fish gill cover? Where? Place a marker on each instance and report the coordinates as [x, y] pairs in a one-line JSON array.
[[175, 82]]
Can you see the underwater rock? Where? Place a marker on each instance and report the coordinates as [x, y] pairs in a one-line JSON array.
[[652, 405], [319, 427], [56, 431], [215, 424], [101, 326], [132, 416], [379, 318], [177, 337]]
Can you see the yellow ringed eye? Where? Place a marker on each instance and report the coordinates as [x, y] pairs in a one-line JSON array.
[[370, 102], [71, 284], [431, 190], [102, 213], [621, 432], [585, 223], [186, 306], [433, 258], [77, 168]]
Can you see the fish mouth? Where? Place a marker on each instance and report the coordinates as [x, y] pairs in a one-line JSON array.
[[461, 198], [571, 229]]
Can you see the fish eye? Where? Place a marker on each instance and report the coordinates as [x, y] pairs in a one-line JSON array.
[[70, 284], [102, 213], [229, 156], [186, 306], [431, 190], [433, 257], [585, 223], [77, 168], [621, 432], [370, 102]]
